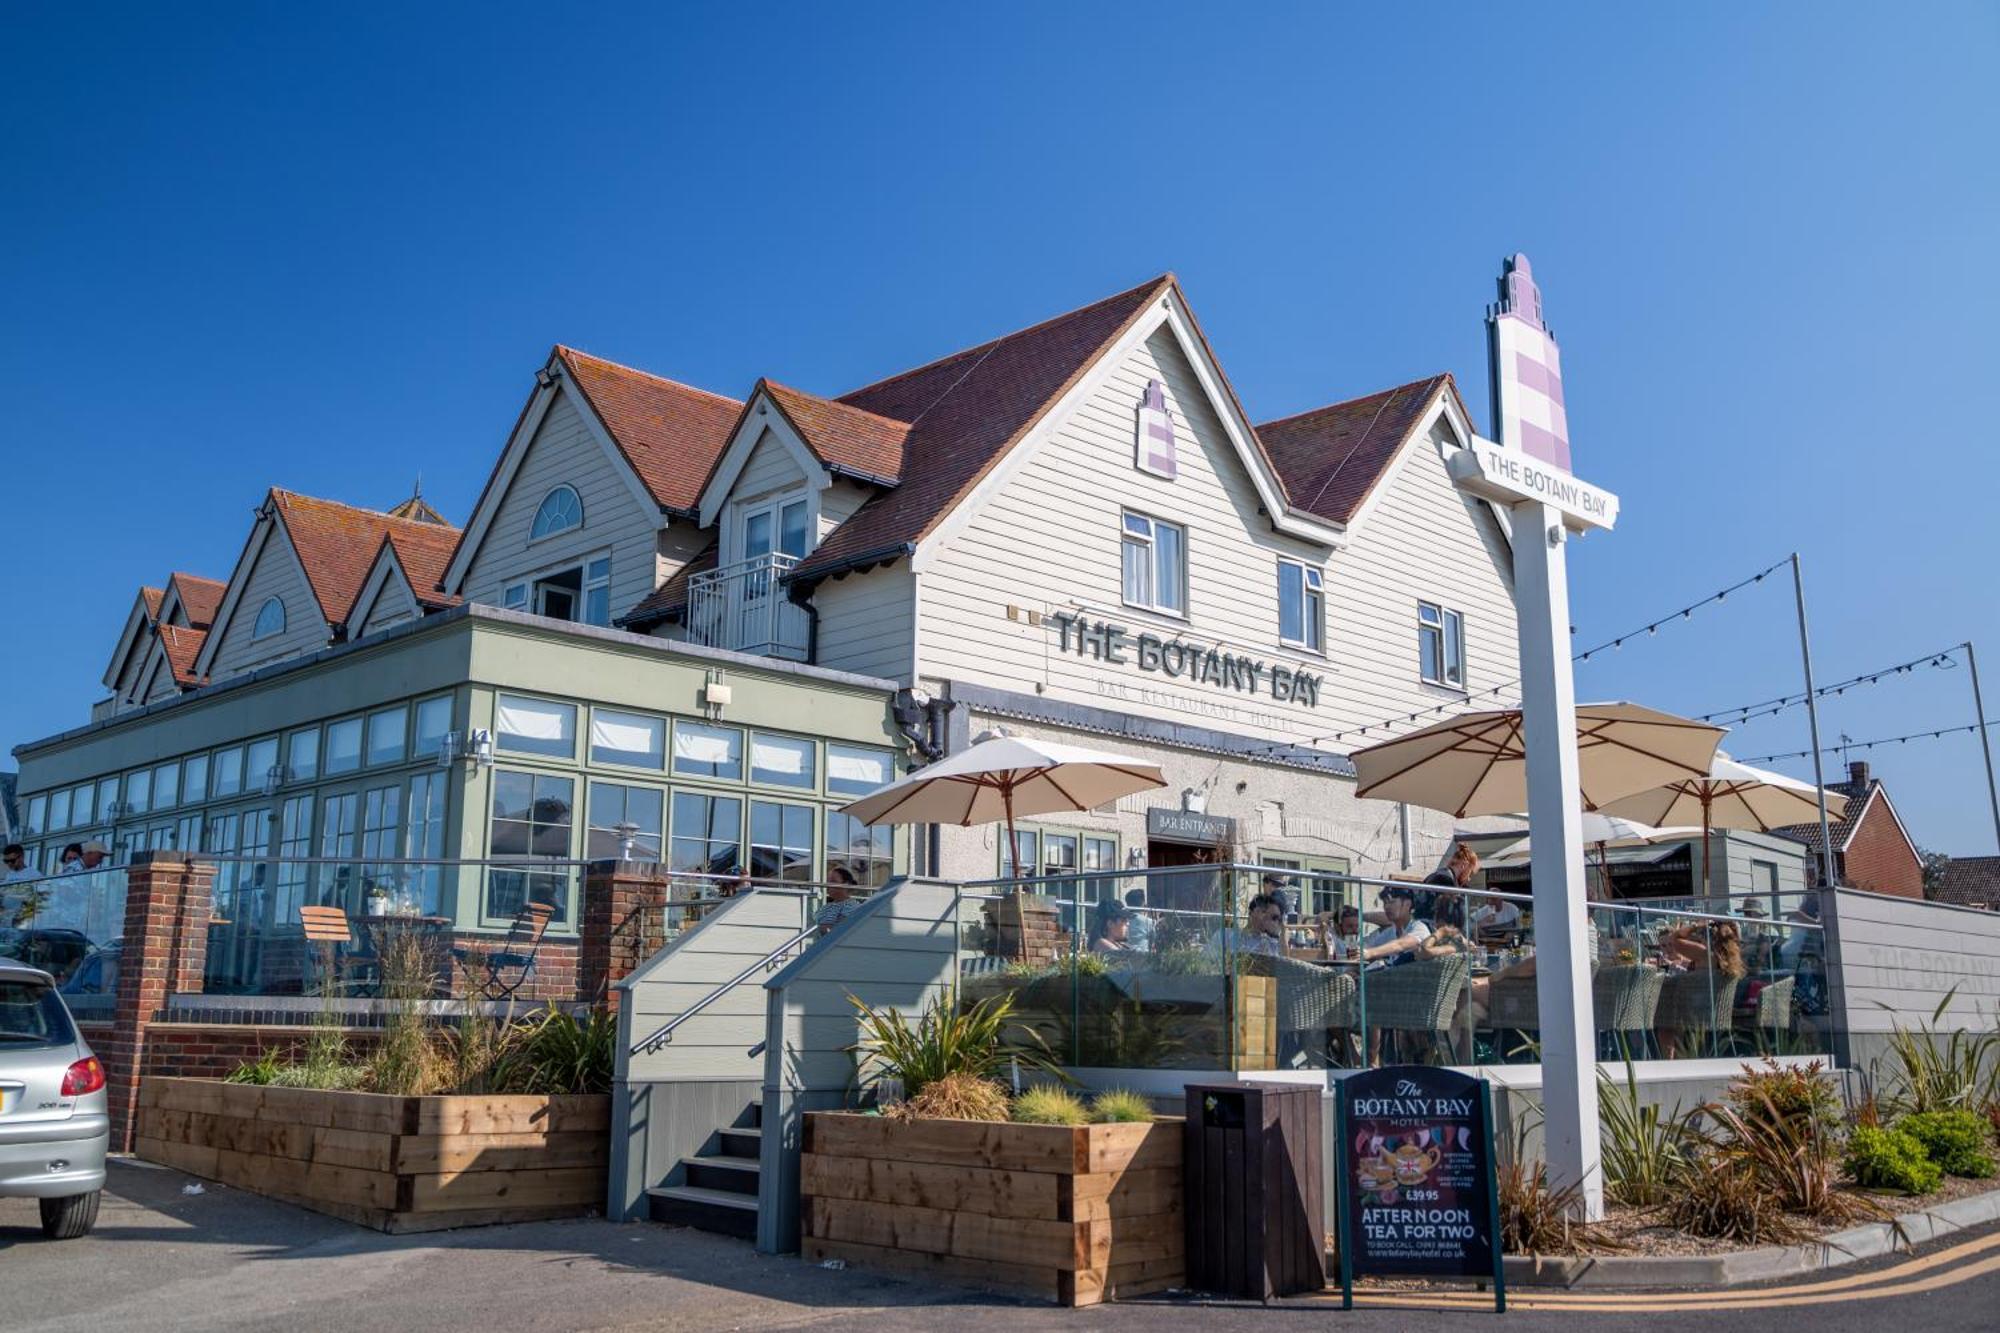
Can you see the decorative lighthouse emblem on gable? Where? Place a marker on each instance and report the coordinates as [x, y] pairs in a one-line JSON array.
[[1154, 449], [1527, 370]]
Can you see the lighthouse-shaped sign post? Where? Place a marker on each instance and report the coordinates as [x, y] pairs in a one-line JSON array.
[[1528, 473]]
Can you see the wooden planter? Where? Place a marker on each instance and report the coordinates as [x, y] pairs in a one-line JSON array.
[[1073, 1215], [392, 1163]]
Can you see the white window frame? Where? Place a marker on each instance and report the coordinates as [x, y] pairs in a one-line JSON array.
[[522, 592], [1312, 614], [536, 521], [514, 597], [1448, 626], [775, 506], [1142, 530]]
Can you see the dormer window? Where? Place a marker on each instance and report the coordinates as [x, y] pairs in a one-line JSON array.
[[560, 511], [270, 619]]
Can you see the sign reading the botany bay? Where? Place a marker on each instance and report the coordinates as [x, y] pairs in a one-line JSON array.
[[1102, 641], [1417, 1196]]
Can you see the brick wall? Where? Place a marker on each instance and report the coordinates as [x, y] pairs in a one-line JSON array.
[[214, 1050], [622, 925], [1879, 858], [167, 900]]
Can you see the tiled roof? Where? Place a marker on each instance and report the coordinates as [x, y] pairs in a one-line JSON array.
[[1970, 880], [1859, 796], [844, 437], [964, 413], [337, 545], [152, 597], [199, 597], [670, 433], [669, 600], [182, 645], [424, 548], [1331, 457]]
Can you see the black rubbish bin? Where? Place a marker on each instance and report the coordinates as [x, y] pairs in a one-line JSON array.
[[1256, 1205]]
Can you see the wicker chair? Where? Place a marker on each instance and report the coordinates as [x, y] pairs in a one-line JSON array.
[[1312, 998], [1700, 1001], [1774, 1005], [1419, 997], [1625, 997], [1511, 1003]]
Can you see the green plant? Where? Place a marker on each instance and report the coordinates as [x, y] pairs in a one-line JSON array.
[[954, 1097], [1646, 1150], [1120, 1106], [1801, 1098], [1050, 1106], [1724, 1198], [1954, 1140], [1889, 1159], [1118, 1035], [1536, 1218], [556, 1052], [945, 1039], [1935, 1071], [263, 1070], [405, 1062]]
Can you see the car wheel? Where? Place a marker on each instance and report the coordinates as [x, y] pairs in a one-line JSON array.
[[66, 1219]]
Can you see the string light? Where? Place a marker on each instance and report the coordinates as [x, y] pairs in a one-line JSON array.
[[1769, 707], [1869, 745]]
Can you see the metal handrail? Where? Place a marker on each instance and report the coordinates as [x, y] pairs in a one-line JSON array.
[[664, 1034]]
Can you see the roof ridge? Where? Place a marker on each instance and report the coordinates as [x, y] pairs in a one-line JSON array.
[[384, 515], [567, 350], [1166, 279], [1359, 397], [767, 381]]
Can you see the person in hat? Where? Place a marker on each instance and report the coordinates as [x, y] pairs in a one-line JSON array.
[[1402, 936], [71, 860], [1111, 931], [95, 854], [1263, 931]]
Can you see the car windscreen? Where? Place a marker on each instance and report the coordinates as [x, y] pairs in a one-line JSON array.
[[31, 1014]]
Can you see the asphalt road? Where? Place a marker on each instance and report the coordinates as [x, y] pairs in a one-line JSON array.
[[221, 1259]]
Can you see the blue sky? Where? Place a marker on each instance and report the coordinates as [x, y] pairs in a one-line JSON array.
[[258, 244]]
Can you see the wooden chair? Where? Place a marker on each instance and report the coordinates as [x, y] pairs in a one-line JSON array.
[[328, 933], [515, 954]]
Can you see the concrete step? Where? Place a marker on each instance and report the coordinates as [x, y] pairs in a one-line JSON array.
[[720, 1211], [736, 1174]]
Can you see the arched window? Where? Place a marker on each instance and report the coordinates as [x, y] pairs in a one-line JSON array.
[[561, 510], [270, 619]]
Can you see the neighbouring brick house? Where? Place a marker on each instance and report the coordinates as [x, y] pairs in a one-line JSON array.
[[1969, 881], [1871, 847]]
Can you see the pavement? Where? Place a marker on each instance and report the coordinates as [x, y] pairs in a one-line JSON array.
[[219, 1259]]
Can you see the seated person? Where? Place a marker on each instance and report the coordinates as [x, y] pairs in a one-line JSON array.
[[1496, 919], [1263, 932], [1341, 938], [1111, 931], [1139, 929], [1402, 937]]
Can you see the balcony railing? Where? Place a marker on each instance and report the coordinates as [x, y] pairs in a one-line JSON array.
[[744, 607]]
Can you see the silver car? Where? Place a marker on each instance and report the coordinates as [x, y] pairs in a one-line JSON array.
[[54, 1121]]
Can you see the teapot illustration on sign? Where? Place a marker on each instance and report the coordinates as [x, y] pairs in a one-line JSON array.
[[1376, 1172], [1412, 1164]]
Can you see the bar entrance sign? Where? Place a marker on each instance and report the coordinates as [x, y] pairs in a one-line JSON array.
[[1415, 1177]]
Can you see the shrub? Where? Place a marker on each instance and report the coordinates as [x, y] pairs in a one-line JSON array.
[[944, 1040], [954, 1097], [555, 1052], [1645, 1150], [1800, 1098], [261, 1071], [1935, 1071], [1538, 1219], [1050, 1106], [1954, 1140], [1724, 1198], [1889, 1159], [1120, 1106]]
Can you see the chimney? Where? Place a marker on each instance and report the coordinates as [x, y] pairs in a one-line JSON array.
[[1857, 774]]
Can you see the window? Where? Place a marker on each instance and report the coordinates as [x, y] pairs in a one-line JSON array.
[[515, 597], [597, 592], [194, 778], [536, 726], [58, 811], [138, 792], [707, 835], [424, 839], [386, 732], [531, 820], [864, 852], [295, 819], [302, 754], [1026, 852], [708, 752], [270, 619], [852, 770], [260, 763], [783, 761], [337, 883], [228, 772], [1155, 565], [1301, 606], [627, 738], [107, 797], [166, 786], [1059, 855], [433, 723], [1441, 645], [343, 746], [187, 833], [38, 810], [781, 841], [613, 804], [381, 816], [1100, 854], [560, 511], [779, 527]]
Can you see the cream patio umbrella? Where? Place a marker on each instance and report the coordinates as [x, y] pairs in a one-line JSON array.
[[1476, 763], [1730, 795], [1000, 776]]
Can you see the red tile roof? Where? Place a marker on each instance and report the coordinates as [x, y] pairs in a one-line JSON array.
[[842, 437], [423, 548], [669, 600], [200, 597], [182, 645], [964, 413], [1332, 457], [152, 598], [670, 433], [337, 545], [1860, 795]]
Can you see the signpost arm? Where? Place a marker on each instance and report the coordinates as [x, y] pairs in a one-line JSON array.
[[1343, 1168], [1562, 969], [1488, 1135]]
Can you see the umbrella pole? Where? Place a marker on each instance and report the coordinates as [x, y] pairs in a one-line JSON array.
[[1707, 851]]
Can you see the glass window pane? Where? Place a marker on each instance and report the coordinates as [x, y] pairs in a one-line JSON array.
[[792, 525], [613, 805], [433, 722], [302, 762], [1138, 576], [705, 834], [343, 745], [861, 854], [1170, 552], [1291, 596], [226, 778], [166, 786], [853, 770], [258, 761], [783, 761], [107, 797], [38, 809], [627, 738], [58, 810], [536, 726], [139, 792], [385, 736], [194, 778], [710, 752], [1058, 853]]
